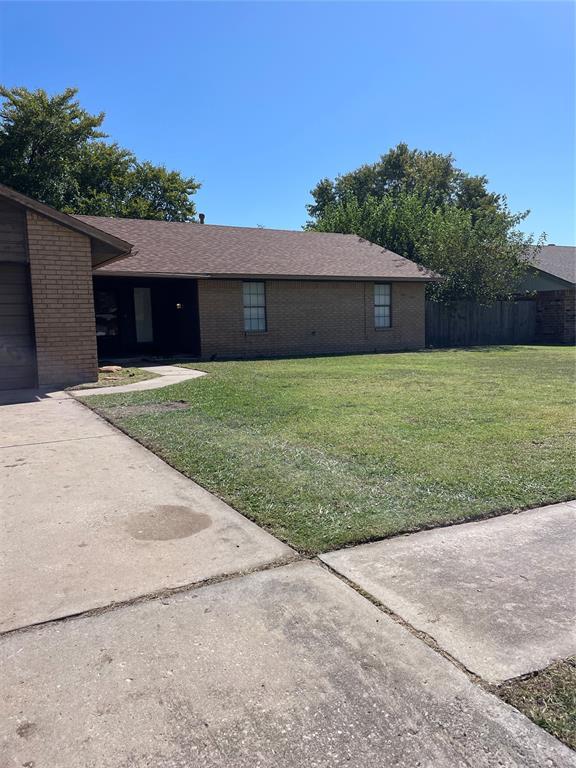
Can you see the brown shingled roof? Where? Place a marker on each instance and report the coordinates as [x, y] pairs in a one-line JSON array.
[[557, 260], [177, 248]]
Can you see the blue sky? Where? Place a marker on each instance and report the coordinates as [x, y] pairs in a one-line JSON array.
[[260, 100]]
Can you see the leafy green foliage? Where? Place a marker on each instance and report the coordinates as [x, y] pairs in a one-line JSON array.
[[52, 150], [431, 176], [41, 138], [418, 204]]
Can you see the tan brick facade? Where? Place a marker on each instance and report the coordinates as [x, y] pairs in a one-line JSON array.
[[308, 317], [61, 277]]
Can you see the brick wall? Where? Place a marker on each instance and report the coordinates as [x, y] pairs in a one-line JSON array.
[[570, 316], [308, 317], [556, 317], [61, 276]]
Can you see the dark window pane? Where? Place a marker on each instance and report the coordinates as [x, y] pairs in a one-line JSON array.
[[106, 311]]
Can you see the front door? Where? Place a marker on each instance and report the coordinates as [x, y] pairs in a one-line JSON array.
[[176, 317]]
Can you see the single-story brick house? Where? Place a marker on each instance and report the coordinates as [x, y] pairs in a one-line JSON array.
[[75, 287], [552, 280]]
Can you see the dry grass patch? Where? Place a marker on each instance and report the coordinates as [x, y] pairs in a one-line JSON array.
[[548, 698], [116, 378]]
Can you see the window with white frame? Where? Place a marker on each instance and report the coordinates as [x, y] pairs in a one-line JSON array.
[[382, 315], [254, 294]]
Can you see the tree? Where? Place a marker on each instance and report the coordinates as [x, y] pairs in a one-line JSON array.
[[52, 149], [111, 182], [433, 176], [41, 138], [418, 204]]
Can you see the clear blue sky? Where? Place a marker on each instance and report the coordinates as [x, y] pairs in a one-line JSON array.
[[260, 100]]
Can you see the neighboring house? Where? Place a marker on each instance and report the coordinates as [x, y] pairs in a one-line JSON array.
[[72, 287], [553, 269], [542, 309], [552, 280]]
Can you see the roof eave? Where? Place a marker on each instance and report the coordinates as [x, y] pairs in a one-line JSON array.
[[263, 276], [71, 222], [569, 283]]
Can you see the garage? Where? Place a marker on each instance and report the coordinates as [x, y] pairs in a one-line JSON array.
[[17, 346], [47, 323]]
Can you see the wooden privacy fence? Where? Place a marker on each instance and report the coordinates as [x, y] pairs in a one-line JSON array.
[[466, 324]]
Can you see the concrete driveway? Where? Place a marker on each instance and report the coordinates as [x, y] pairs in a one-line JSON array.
[[89, 517], [286, 668], [499, 595]]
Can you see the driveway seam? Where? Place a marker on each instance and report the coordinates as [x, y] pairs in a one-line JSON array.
[[165, 592], [281, 562], [192, 586], [49, 442], [430, 641]]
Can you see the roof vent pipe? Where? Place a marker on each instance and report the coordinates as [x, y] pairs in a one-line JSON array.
[[201, 216]]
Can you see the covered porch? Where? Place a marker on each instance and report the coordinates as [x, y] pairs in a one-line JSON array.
[[138, 316]]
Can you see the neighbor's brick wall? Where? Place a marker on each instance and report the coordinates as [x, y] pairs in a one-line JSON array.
[[61, 276], [556, 317], [308, 317], [570, 316]]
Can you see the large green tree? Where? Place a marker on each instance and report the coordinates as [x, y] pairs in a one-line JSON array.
[[420, 205], [53, 150]]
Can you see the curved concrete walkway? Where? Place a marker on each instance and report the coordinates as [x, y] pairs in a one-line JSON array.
[[165, 376]]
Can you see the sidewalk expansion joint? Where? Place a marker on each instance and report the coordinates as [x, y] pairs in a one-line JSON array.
[[159, 594], [49, 442], [430, 641]]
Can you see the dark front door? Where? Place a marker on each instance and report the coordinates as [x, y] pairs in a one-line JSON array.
[[176, 317], [137, 316]]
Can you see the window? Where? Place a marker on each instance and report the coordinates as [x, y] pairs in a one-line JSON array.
[[382, 318], [143, 315], [106, 310], [254, 295]]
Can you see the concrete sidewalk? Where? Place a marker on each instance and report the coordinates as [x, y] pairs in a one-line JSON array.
[[166, 375], [286, 668], [499, 595], [88, 517]]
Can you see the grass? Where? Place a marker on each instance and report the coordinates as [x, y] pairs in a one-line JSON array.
[[331, 451], [548, 698], [124, 376]]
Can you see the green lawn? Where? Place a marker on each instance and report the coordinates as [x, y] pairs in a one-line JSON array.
[[329, 451], [548, 698]]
